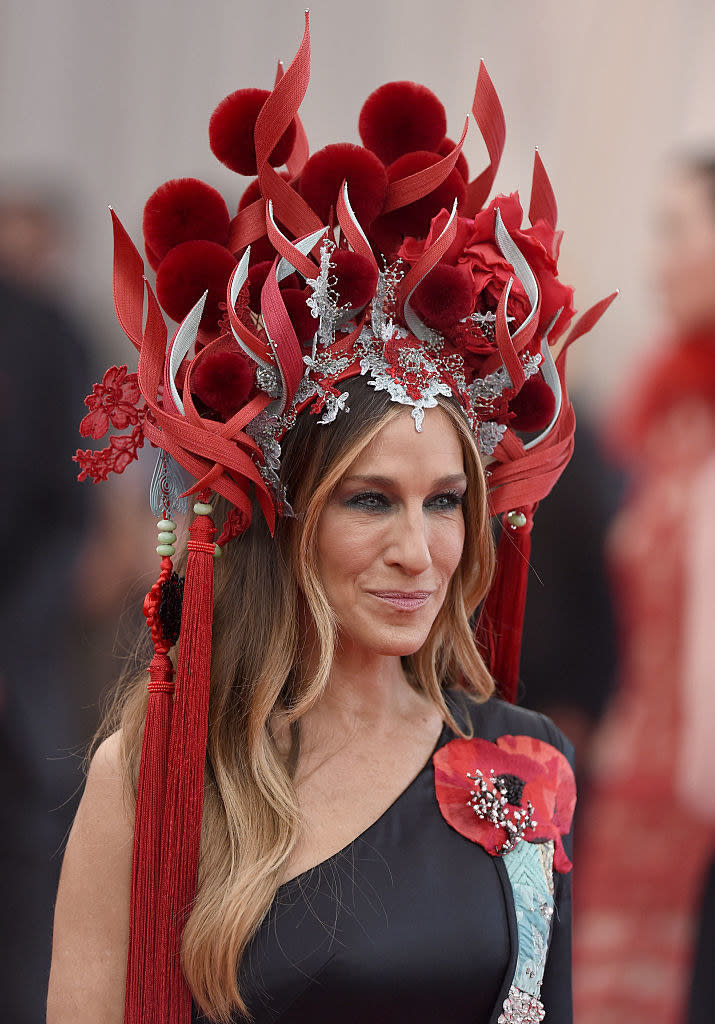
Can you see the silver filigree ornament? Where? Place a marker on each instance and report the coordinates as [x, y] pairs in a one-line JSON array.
[[323, 302], [521, 1008], [490, 802], [168, 482]]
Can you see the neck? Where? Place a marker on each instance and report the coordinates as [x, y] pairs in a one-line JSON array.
[[367, 686]]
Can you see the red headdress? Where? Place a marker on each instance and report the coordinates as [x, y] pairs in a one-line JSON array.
[[379, 260]]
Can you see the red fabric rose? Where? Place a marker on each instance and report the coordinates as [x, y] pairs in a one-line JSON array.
[[490, 273], [548, 785], [412, 248], [540, 246]]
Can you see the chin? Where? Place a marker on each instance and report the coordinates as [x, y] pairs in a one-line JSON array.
[[390, 640]]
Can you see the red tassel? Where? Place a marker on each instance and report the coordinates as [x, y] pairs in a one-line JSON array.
[[146, 858], [181, 833], [500, 624]]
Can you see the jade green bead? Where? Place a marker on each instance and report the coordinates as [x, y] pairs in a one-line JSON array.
[[217, 551], [166, 524], [516, 519], [165, 549], [167, 538], [201, 508]]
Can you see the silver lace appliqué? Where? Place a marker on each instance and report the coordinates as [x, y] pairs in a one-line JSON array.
[[413, 379]]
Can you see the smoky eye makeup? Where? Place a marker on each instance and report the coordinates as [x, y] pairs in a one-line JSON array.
[[377, 501], [446, 501], [368, 501]]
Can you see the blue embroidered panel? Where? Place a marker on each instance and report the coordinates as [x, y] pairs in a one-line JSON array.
[[530, 869]]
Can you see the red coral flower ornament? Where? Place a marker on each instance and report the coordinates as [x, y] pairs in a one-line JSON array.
[[498, 794]]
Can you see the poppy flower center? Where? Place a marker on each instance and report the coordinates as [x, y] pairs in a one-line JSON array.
[[512, 787]]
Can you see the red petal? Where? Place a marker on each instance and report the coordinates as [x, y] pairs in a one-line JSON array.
[[130, 389], [95, 424]]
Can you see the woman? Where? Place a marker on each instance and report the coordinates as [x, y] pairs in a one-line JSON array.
[[334, 737], [638, 899]]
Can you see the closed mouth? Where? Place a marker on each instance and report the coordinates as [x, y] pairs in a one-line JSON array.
[[406, 600]]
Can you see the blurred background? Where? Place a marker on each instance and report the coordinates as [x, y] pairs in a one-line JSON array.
[[101, 102]]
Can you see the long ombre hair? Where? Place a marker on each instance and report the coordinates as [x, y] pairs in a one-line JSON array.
[[251, 819]]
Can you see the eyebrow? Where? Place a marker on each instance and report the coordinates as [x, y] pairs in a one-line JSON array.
[[388, 483]]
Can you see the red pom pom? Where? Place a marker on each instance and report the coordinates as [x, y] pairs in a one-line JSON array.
[[533, 406], [223, 381], [257, 275], [414, 219], [186, 272], [231, 132], [182, 210], [325, 172], [152, 257], [400, 117], [304, 323], [357, 278], [444, 297], [445, 148], [253, 191]]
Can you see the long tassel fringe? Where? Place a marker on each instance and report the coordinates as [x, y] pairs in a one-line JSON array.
[[181, 826], [501, 621]]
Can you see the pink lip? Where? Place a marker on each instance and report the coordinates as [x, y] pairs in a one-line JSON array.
[[405, 600]]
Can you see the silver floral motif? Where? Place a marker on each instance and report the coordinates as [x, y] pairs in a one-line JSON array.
[[521, 1008], [490, 802], [531, 363], [484, 390]]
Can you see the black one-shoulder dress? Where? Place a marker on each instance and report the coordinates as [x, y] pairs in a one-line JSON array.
[[412, 922]]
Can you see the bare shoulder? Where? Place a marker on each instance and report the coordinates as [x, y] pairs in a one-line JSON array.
[[92, 911]]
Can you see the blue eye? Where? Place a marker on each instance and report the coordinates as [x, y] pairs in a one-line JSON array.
[[369, 501], [447, 502]]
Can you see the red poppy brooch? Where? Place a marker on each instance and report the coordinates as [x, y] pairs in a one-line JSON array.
[[499, 794]]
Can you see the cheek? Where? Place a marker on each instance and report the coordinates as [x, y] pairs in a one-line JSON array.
[[446, 543], [346, 550]]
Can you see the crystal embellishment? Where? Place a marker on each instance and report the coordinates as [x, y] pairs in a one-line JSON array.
[[521, 1008]]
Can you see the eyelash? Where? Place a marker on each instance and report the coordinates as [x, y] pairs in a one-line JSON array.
[[362, 501]]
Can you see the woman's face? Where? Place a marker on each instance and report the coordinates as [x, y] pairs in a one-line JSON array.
[[391, 535], [684, 252]]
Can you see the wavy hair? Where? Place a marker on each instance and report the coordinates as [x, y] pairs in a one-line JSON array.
[[251, 820]]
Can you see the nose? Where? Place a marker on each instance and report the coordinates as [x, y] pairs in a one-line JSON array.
[[408, 547]]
